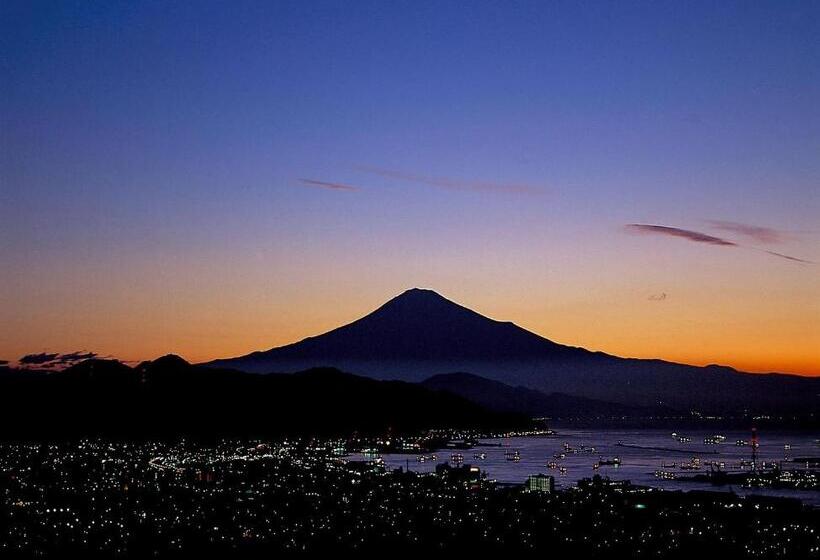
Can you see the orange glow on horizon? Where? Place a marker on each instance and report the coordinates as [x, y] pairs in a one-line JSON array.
[[210, 333]]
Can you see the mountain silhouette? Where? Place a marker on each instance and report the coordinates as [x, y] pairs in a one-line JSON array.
[[420, 333], [418, 325], [169, 397], [500, 397]]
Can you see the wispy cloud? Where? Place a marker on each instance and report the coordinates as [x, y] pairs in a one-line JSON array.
[[328, 185], [72, 357], [658, 297], [759, 234], [699, 237], [795, 259], [38, 359], [696, 236], [55, 359], [450, 183]]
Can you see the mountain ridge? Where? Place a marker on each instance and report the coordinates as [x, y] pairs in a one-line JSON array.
[[169, 397], [506, 398]]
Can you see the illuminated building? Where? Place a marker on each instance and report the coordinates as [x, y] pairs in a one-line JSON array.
[[540, 483]]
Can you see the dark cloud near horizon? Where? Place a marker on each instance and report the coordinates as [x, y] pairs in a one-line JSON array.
[[4, 362], [695, 236], [38, 359], [450, 183], [328, 185], [699, 237], [72, 357], [55, 359], [761, 234]]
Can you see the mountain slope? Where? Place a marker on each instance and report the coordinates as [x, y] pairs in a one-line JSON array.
[[505, 398], [420, 333]]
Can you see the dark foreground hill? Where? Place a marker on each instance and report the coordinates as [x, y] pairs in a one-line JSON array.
[[169, 397], [420, 333]]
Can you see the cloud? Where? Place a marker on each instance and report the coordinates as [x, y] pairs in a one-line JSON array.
[[699, 237], [658, 297], [4, 362], [695, 236], [329, 186], [449, 183], [795, 259], [760, 234], [73, 357], [56, 360], [38, 359]]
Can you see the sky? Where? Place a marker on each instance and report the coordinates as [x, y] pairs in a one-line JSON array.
[[213, 178]]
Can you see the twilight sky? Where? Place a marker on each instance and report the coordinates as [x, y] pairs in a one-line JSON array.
[[214, 178]]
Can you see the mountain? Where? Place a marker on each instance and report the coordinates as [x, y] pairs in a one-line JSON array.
[[406, 336], [169, 397], [506, 398], [420, 333], [416, 325]]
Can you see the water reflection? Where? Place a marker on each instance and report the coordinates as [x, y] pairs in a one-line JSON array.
[[649, 457]]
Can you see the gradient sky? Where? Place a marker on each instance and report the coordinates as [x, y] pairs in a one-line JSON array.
[[215, 178]]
